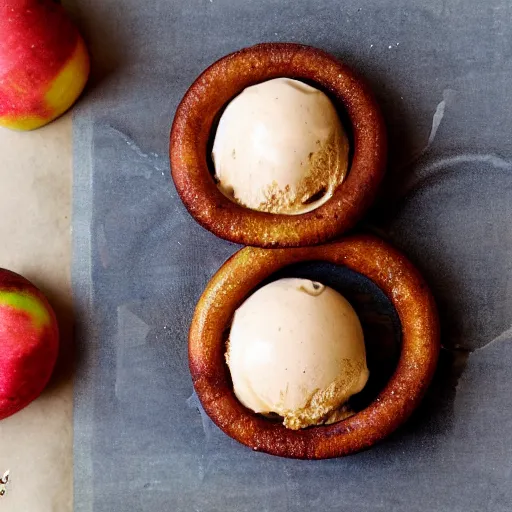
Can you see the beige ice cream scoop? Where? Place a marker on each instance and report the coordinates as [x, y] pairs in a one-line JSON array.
[[280, 148], [296, 349]]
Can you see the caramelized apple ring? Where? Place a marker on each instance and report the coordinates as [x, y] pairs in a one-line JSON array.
[[241, 274]]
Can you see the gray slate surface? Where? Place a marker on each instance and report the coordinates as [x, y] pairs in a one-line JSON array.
[[442, 72]]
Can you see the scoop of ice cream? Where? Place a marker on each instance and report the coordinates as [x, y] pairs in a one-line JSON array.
[[280, 148], [296, 349]]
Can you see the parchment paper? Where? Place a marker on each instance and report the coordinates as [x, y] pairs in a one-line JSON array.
[[35, 212], [441, 71]]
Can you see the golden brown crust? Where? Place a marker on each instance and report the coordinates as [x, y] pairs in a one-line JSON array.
[[389, 270], [226, 78]]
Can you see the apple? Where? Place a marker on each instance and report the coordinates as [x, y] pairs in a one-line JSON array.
[[44, 63], [29, 342]]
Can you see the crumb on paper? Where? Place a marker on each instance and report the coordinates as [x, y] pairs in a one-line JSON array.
[[3, 483]]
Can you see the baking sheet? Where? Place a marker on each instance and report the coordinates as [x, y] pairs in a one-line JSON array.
[[441, 71]]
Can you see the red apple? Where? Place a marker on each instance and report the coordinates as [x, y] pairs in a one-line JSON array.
[[44, 63], [29, 342]]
